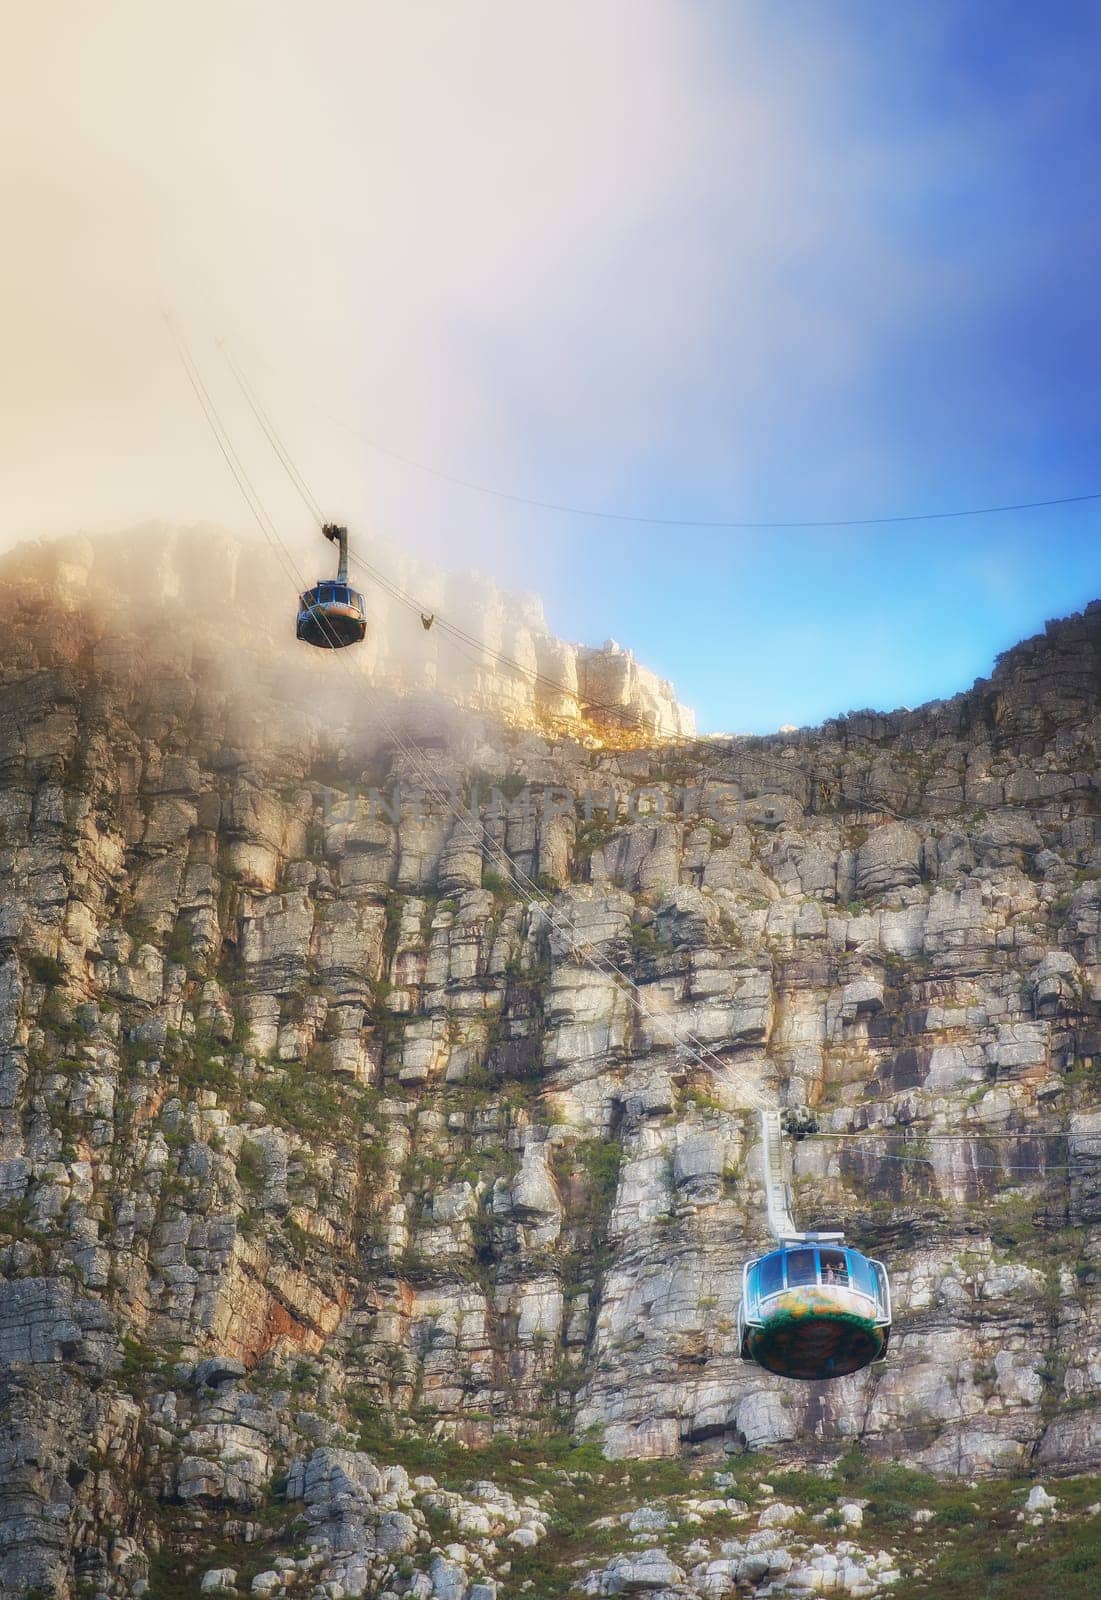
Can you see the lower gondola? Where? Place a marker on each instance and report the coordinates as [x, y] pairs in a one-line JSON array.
[[814, 1313]]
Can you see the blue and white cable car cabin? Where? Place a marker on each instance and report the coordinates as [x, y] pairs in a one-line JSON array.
[[814, 1311], [814, 1308], [333, 615]]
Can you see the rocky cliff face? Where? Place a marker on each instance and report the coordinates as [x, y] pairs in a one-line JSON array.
[[349, 1127]]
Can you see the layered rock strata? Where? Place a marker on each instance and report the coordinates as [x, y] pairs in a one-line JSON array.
[[348, 1106]]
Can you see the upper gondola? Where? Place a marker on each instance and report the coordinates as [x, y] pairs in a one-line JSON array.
[[332, 615]]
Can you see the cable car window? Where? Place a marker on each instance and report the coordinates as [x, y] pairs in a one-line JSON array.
[[802, 1268], [863, 1276], [771, 1274], [835, 1269], [884, 1295], [751, 1289]]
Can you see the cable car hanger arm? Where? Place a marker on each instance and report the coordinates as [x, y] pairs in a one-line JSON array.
[[778, 1191], [339, 535]]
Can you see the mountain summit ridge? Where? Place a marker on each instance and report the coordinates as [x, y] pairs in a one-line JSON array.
[[487, 650]]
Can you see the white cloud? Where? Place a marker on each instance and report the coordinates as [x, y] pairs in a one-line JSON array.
[[560, 247]]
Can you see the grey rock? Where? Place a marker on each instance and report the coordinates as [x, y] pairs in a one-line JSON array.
[[649, 1570], [890, 858], [219, 1580]]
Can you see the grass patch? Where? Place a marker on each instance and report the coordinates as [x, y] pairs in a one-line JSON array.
[[199, 1062], [982, 1560], [309, 1101], [499, 886], [811, 1489]]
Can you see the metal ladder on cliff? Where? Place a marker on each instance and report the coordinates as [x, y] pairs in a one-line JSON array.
[[778, 1190]]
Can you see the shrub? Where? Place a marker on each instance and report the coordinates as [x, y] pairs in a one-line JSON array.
[[805, 1488], [592, 836], [45, 969], [251, 1168], [601, 1160], [198, 1063], [180, 948], [644, 939], [956, 1516], [497, 884]]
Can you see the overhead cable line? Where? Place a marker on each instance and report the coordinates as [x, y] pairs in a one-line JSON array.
[[624, 718], [520, 880], [964, 1137], [720, 524], [214, 423], [262, 416], [981, 1166], [747, 525], [977, 1137], [619, 714]]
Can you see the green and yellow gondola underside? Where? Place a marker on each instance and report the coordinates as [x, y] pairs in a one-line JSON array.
[[816, 1332]]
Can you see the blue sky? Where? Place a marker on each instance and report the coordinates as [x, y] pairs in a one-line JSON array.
[[979, 386], [771, 260]]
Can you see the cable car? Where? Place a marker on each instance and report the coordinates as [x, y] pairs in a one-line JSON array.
[[332, 615], [814, 1311], [814, 1308]]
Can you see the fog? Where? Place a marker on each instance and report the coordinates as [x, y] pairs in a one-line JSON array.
[[497, 238]]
